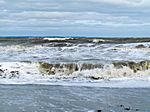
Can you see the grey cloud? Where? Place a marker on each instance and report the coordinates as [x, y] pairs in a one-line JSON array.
[[32, 15], [69, 18], [2, 1]]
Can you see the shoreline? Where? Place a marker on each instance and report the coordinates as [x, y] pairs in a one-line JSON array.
[[45, 98]]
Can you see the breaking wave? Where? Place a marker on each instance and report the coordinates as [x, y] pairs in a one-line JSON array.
[[96, 71], [33, 71], [93, 75]]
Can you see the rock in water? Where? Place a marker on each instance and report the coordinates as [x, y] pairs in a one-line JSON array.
[[99, 110], [127, 108]]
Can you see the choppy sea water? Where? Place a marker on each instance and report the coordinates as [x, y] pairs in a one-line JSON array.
[[74, 74], [75, 61]]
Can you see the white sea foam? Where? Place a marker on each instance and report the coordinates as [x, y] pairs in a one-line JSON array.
[[50, 39], [116, 83], [29, 74], [24, 70], [98, 40], [19, 48]]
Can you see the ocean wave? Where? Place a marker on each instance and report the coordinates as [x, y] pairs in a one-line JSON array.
[[51, 39], [76, 74], [74, 70], [96, 71]]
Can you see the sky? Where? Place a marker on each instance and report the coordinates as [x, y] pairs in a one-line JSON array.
[[103, 18]]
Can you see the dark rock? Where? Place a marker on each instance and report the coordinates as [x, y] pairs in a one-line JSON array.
[[114, 49], [127, 108], [99, 110], [14, 72], [96, 78], [1, 70], [121, 105], [137, 109], [35, 56], [4, 77]]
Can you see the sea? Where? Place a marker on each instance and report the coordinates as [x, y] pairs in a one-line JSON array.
[[74, 74]]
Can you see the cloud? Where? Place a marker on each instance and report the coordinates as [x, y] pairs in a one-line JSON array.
[[2, 1], [123, 2], [65, 19], [91, 15]]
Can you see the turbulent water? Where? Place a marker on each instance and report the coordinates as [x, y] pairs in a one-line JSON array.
[[101, 62]]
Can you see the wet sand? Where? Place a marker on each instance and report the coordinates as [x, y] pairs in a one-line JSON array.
[[45, 98]]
